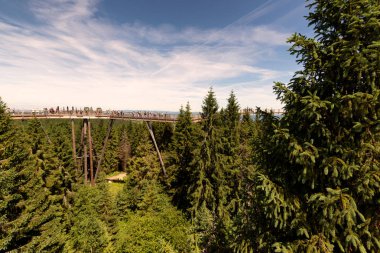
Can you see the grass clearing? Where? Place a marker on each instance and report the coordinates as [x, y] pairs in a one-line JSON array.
[[114, 188]]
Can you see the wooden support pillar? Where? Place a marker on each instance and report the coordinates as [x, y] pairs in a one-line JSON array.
[[149, 125], [85, 150], [74, 147], [90, 150], [100, 160], [82, 147]]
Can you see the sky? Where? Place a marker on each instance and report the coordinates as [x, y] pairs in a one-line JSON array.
[[145, 54]]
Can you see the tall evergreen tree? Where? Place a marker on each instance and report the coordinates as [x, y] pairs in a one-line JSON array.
[[111, 156], [185, 139], [124, 148], [229, 138], [232, 123], [33, 199], [163, 133], [13, 157], [247, 132], [46, 190], [149, 223], [210, 191], [322, 191], [144, 165], [208, 170], [91, 220]]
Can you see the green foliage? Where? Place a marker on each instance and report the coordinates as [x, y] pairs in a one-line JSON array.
[[44, 209], [308, 181], [124, 152], [12, 157], [88, 234], [138, 133], [231, 120], [231, 146], [111, 157], [185, 139], [145, 164], [92, 220], [210, 188], [150, 223], [46, 190], [208, 166], [163, 133], [318, 179], [34, 220]]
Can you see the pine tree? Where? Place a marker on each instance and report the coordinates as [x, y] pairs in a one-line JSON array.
[[144, 165], [185, 139], [33, 208], [61, 138], [231, 138], [231, 122], [322, 191], [163, 133], [111, 161], [210, 190], [60, 134], [149, 223], [138, 133], [13, 157], [91, 220], [231, 159], [124, 148], [248, 128], [46, 190]]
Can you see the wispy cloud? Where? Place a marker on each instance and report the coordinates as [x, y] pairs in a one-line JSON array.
[[76, 58]]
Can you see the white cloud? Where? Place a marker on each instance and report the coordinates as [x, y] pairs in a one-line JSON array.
[[77, 59]]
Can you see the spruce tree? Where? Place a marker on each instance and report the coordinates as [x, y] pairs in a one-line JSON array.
[[321, 191], [185, 139], [231, 136], [91, 220], [111, 159], [247, 134], [124, 150], [144, 165], [46, 189], [32, 196], [210, 190], [13, 157], [163, 132], [232, 123], [149, 223], [207, 158]]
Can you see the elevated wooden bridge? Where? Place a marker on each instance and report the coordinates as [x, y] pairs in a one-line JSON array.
[[147, 116], [115, 115], [86, 159]]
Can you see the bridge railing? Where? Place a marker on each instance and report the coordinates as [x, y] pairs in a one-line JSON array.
[[114, 114], [144, 116]]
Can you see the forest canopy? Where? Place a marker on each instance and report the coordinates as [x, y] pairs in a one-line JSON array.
[[304, 181]]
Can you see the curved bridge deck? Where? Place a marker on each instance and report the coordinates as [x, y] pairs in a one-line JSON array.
[[117, 115], [153, 117]]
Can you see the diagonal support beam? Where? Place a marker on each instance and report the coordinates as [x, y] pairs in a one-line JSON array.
[[100, 160], [74, 146], [149, 125], [91, 154], [43, 130], [85, 167]]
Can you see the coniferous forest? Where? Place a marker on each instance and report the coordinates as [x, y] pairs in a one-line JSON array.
[[306, 181]]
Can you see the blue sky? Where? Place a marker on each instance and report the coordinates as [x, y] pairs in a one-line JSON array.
[[145, 54]]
